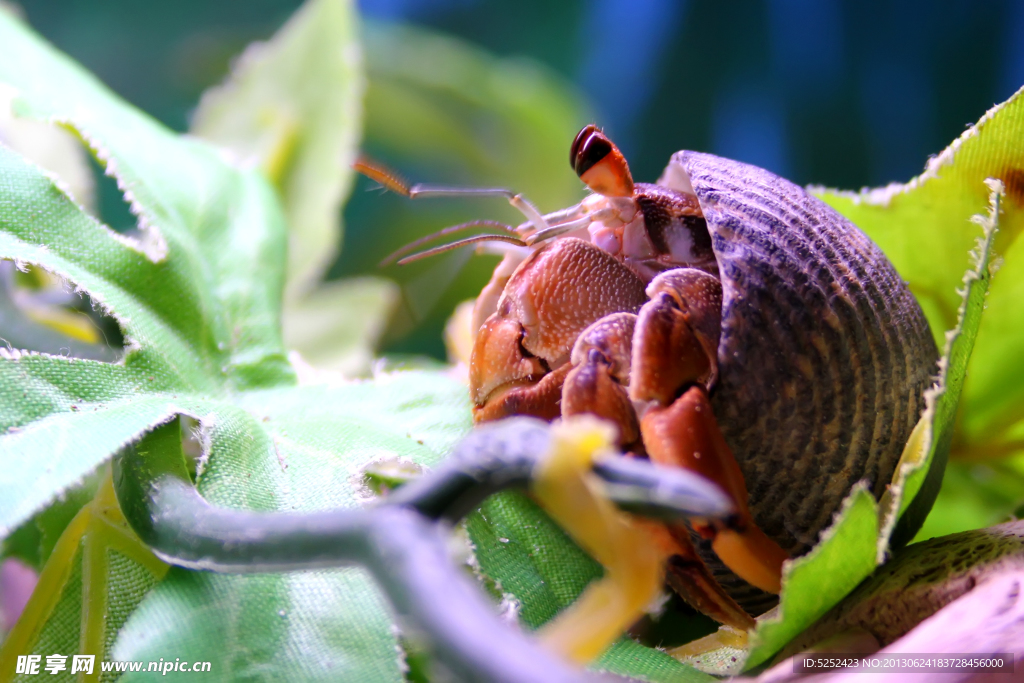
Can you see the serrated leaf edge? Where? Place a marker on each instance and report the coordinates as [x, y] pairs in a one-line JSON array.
[[883, 196], [978, 271]]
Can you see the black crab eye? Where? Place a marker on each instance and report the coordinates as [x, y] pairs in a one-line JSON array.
[[584, 133], [589, 148]]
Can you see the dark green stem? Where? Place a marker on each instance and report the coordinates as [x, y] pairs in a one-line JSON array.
[[398, 540]]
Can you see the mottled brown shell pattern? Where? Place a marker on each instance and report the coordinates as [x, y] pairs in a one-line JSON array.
[[824, 354]]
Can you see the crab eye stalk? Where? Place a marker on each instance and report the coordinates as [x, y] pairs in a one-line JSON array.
[[600, 164]]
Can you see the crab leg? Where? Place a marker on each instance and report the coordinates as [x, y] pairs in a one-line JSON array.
[[686, 435], [687, 575], [602, 359], [681, 323]]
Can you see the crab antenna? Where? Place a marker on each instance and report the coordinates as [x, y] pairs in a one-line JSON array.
[[557, 229], [395, 183], [398, 253], [381, 174], [461, 243]]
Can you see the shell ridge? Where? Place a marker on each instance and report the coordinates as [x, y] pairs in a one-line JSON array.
[[816, 264], [777, 238], [775, 493]]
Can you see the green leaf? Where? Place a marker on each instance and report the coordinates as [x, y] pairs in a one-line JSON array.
[[919, 476], [292, 107], [538, 567], [628, 658], [812, 584], [924, 227], [34, 540], [318, 625], [308, 626], [49, 146], [337, 326], [197, 296], [182, 309], [917, 582], [531, 558], [97, 574]]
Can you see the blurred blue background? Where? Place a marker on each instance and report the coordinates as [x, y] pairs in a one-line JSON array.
[[846, 93]]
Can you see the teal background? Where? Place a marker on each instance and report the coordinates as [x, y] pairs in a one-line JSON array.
[[844, 93]]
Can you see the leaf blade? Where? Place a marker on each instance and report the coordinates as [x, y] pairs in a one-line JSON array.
[[292, 107], [190, 203]]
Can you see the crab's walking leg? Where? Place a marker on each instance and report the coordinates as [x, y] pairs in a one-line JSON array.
[[602, 359], [685, 434], [682, 323], [687, 575]]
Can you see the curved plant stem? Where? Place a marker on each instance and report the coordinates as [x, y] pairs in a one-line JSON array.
[[399, 540]]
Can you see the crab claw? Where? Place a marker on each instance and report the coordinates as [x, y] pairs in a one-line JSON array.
[[677, 337], [597, 383], [521, 354]]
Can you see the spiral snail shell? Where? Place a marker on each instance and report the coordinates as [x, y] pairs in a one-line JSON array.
[[824, 355]]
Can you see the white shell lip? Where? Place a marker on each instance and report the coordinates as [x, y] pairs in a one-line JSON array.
[[676, 178]]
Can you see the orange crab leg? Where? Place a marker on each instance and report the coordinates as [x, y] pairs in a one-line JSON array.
[[686, 434], [687, 575], [681, 323], [590, 388]]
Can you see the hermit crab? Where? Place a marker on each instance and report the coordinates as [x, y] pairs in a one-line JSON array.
[[727, 322]]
